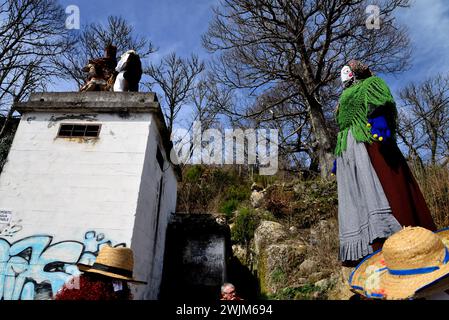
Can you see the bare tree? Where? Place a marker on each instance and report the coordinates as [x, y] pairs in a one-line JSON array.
[[303, 43], [176, 78], [32, 32], [424, 121], [92, 41], [288, 115]]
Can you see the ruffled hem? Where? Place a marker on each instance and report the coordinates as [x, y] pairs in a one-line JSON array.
[[357, 245]]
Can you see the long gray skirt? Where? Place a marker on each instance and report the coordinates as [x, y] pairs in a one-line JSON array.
[[364, 213]]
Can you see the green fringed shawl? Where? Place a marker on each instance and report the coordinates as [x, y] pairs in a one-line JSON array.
[[354, 106]]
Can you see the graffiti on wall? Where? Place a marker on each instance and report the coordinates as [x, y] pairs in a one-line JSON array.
[[10, 229], [34, 268]]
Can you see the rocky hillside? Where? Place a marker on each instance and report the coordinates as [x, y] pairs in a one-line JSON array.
[[285, 233], [284, 229], [293, 249]]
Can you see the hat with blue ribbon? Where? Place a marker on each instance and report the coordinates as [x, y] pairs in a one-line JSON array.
[[413, 264], [117, 263]]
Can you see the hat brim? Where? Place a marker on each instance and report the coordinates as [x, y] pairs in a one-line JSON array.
[[89, 269], [372, 279]]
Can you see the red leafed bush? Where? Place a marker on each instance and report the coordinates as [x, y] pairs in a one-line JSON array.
[[88, 287]]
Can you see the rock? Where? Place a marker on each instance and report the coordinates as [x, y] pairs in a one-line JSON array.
[[316, 276], [316, 296], [293, 230], [321, 231], [257, 198], [299, 188], [284, 255], [307, 267], [278, 262], [323, 284], [239, 252], [299, 283], [268, 232], [341, 289], [256, 187], [314, 237]]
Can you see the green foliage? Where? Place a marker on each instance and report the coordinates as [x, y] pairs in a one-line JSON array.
[[212, 189], [228, 207], [278, 275], [233, 196], [245, 225], [264, 181], [193, 174], [239, 193]]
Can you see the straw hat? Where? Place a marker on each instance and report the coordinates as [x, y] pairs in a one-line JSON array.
[[413, 263], [112, 262]]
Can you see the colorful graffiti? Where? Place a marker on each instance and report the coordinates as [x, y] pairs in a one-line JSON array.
[[34, 268]]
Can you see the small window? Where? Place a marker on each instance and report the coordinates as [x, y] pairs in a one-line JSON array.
[[79, 130]]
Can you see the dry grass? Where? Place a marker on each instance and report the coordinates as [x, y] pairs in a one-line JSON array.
[[324, 246], [434, 183]]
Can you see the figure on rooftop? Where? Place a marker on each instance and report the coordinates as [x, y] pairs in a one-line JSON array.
[[101, 72], [129, 71]]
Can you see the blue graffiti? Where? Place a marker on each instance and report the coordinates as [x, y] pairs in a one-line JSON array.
[[34, 268]]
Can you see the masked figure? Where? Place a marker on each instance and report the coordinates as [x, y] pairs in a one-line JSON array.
[[377, 192]]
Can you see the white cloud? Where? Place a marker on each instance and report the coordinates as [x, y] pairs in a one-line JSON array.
[[428, 24]]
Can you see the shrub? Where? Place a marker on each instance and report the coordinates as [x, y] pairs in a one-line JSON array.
[[206, 189], [240, 193], [278, 275], [228, 207], [193, 174], [232, 197], [245, 225]]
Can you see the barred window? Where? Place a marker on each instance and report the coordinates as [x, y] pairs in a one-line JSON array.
[[79, 130]]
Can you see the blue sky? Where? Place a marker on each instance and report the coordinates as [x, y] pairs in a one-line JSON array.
[[177, 25], [172, 25], [428, 24]]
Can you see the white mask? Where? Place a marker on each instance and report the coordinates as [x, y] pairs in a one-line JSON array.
[[346, 74]]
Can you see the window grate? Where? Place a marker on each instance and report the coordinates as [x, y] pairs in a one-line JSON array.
[[77, 130]]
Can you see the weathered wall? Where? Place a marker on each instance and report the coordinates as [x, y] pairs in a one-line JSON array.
[[196, 257], [155, 205], [67, 197]]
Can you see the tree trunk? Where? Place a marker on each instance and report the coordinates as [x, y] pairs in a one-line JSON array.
[[7, 120], [322, 137]]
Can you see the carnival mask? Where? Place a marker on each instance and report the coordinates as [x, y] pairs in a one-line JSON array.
[[347, 76]]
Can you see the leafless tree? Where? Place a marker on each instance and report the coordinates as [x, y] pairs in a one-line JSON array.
[[32, 33], [424, 120], [176, 78], [92, 40], [260, 44], [204, 99]]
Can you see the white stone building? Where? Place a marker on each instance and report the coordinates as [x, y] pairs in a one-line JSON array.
[[84, 170]]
